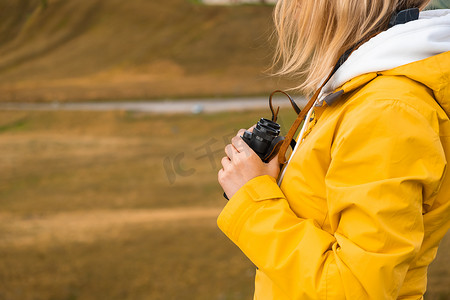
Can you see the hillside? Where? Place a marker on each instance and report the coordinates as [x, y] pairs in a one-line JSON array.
[[55, 50], [136, 49]]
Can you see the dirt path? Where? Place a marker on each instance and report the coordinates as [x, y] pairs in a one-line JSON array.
[[161, 107], [84, 226]]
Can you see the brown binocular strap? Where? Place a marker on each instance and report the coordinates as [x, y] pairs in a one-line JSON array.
[[290, 135], [275, 113]]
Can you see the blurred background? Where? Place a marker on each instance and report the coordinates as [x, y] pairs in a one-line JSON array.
[[113, 119]]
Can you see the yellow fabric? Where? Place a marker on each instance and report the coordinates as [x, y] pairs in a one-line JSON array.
[[364, 201]]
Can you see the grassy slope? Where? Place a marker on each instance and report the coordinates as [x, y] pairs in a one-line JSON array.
[[112, 49]]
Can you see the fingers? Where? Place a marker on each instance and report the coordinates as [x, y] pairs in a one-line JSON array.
[[231, 151], [226, 162], [220, 176], [242, 146], [239, 143]]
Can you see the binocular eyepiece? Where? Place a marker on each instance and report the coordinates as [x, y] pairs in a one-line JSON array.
[[264, 139]]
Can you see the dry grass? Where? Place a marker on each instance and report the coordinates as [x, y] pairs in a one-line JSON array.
[[114, 160], [88, 212], [184, 260], [86, 226], [439, 273]]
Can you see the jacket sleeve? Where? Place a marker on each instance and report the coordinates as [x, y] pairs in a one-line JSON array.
[[385, 158]]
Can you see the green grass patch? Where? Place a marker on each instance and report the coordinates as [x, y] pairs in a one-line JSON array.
[[14, 126]]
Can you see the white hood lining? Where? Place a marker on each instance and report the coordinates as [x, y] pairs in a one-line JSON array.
[[398, 46]]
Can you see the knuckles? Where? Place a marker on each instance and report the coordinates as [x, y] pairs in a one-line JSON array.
[[228, 151], [219, 175], [225, 160], [235, 140]]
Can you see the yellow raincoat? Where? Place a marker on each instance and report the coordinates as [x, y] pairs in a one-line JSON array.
[[364, 201]]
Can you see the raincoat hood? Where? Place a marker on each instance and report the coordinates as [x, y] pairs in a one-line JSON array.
[[418, 50]]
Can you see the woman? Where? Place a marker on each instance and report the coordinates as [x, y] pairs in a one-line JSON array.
[[362, 204]]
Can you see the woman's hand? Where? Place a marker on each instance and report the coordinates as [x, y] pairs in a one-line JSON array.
[[242, 164]]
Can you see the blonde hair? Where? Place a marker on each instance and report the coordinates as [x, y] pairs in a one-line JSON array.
[[313, 34]]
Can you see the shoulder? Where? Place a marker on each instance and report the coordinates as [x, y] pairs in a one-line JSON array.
[[391, 99]]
